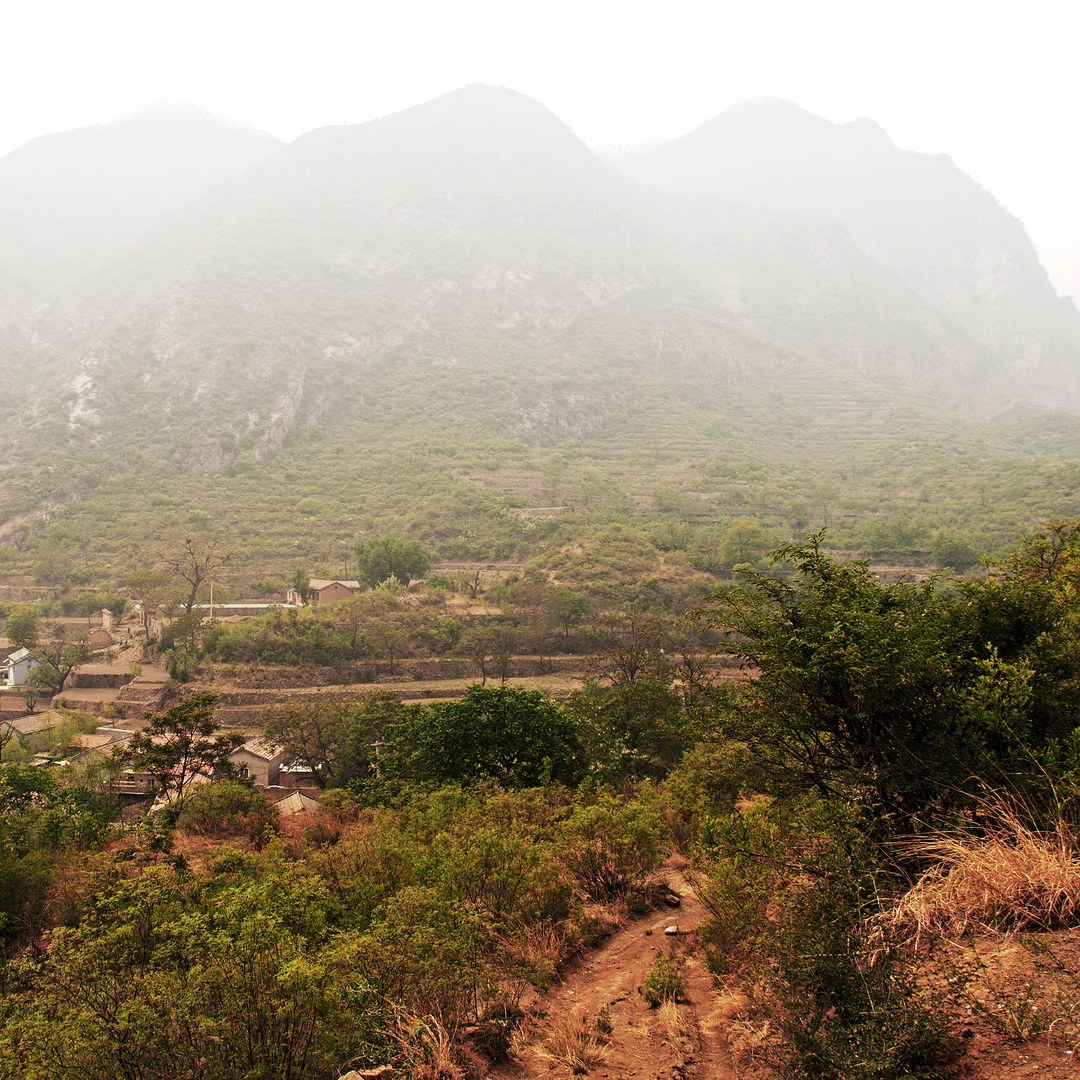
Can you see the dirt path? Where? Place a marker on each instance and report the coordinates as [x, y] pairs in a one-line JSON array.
[[688, 1044], [708, 1036]]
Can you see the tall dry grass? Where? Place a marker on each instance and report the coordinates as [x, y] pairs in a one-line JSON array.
[[428, 1051], [673, 1022], [1013, 876], [572, 1040]]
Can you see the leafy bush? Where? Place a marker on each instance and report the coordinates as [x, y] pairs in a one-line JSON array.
[[226, 808], [899, 697], [664, 981], [611, 846], [792, 895], [520, 738]]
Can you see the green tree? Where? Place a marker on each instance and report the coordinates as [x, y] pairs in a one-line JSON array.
[[476, 645], [743, 542], [182, 743], [375, 722], [630, 729], [58, 656], [389, 556], [301, 581], [568, 608], [631, 717], [164, 976], [519, 738], [23, 626], [1024, 613], [954, 550], [864, 692], [52, 564], [313, 731]]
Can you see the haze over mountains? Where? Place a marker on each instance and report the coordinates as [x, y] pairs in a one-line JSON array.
[[67, 201], [916, 214], [187, 290]]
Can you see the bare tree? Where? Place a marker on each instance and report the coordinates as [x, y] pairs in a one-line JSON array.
[[57, 658], [194, 559], [629, 646], [504, 643]]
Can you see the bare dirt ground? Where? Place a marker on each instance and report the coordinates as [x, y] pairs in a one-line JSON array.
[[711, 1035], [643, 1042]]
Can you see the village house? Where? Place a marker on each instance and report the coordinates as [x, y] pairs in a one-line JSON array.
[[324, 591], [18, 666], [262, 760], [32, 724]]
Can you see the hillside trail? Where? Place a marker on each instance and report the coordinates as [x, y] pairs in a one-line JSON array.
[[717, 1041], [641, 1043]]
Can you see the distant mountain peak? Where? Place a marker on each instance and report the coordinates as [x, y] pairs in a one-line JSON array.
[[781, 120], [175, 112], [481, 106]]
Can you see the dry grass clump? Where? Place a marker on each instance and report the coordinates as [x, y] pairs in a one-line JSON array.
[[533, 956], [673, 1022], [311, 829], [1011, 878], [572, 1040], [428, 1051]]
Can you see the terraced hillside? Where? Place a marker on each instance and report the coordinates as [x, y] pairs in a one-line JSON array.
[[447, 320]]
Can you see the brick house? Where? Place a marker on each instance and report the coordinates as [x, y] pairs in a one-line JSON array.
[[322, 591], [262, 759]]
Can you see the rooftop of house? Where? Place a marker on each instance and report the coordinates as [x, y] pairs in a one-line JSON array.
[[29, 725], [90, 742], [262, 748], [295, 802]]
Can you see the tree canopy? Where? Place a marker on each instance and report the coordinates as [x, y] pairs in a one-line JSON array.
[[519, 738], [900, 697], [180, 744], [389, 556]]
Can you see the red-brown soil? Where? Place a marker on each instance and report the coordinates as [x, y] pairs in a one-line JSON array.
[[721, 1040], [639, 1046]]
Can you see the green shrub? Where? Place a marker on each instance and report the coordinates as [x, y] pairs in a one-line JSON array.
[[611, 846], [791, 891], [226, 807], [664, 981], [520, 738]]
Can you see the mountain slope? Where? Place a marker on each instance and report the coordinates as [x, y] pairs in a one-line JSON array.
[[69, 200], [442, 309], [916, 214], [477, 235]]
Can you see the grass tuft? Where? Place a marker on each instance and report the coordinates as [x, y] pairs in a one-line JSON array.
[[1011, 878], [572, 1040]]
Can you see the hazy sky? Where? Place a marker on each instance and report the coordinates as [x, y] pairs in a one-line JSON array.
[[994, 83]]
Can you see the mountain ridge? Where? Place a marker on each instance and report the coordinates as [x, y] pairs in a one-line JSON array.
[[917, 214], [468, 273]]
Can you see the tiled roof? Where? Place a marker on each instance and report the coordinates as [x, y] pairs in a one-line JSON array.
[[263, 748]]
